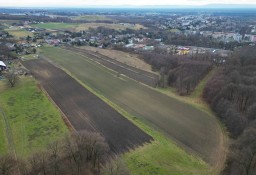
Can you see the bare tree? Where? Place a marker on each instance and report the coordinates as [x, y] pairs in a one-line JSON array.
[[38, 163], [7, 165], [11, 78], [54, 156], [116, 166]]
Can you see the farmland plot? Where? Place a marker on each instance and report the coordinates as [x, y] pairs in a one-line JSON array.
[[84, 110], [191, 128], [145, 77]]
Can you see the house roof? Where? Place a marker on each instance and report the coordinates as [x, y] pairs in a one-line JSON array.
[[2, 64]]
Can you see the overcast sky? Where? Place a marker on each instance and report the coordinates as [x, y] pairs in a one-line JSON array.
[[84, 3]]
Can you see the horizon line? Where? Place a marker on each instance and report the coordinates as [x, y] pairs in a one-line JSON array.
[[143, 6]]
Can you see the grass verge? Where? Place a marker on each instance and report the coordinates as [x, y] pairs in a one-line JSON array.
[[34, 120]]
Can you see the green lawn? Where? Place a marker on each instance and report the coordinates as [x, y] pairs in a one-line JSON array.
[[34, 120], [194, 130], [3, 141], [18, 33], [53, 25]]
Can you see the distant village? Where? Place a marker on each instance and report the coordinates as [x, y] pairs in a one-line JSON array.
[[215, 28]]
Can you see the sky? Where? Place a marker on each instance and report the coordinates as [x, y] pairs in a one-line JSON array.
[[84, 3]]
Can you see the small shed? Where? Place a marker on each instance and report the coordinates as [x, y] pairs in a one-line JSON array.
[[2, 66]]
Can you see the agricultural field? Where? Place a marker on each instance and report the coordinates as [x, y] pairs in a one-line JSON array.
[[8, 22], [194, 130], [29, 57], [92, 18], [18, 33], [142, 76], [86, 111], [86, 26], [123, 57], [53, 25], [32, 121], [75, 27]]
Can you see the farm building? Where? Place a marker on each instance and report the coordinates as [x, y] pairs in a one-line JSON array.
[[2, 66]]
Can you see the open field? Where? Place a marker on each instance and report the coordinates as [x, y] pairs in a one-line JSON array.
[[53, 25], [195, 99], [92, 18], [194, 130], [123, 57], [86, 26], [8, 22], [142, 76], [86, 111], [34, 121], [19, 32]]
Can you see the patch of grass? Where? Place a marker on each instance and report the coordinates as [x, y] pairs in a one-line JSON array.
[[123, 57], [162, 156], [3, 141], [34, 120], [174, 30], [29, 57], [195, 98], [18, 33], [53, 25]]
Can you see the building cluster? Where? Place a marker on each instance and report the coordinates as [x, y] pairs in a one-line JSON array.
[[226, 29]]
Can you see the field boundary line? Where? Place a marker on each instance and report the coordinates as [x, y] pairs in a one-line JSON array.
[[109, 69], [9, 134], [63, 116]]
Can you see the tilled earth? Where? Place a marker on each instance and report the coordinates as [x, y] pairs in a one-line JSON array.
[[84, 110]]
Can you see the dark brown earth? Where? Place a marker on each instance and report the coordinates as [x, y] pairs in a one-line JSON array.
[[131, 72], [85, 110]]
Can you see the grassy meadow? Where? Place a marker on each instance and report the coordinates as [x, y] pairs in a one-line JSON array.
[[18, 33], [33, 119], [53, 25], [85, 26]]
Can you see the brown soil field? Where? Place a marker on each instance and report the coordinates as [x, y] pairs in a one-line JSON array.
[[142, 76], [84, 110]]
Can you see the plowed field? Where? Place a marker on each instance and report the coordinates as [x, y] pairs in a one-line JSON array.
[[193, 129], [84, 110]]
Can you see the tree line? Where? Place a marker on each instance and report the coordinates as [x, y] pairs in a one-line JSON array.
[[231, 94], [76, 154], [182, 72]]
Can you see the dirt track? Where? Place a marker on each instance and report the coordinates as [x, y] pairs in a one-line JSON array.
[[84, 110], [131, 72]]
